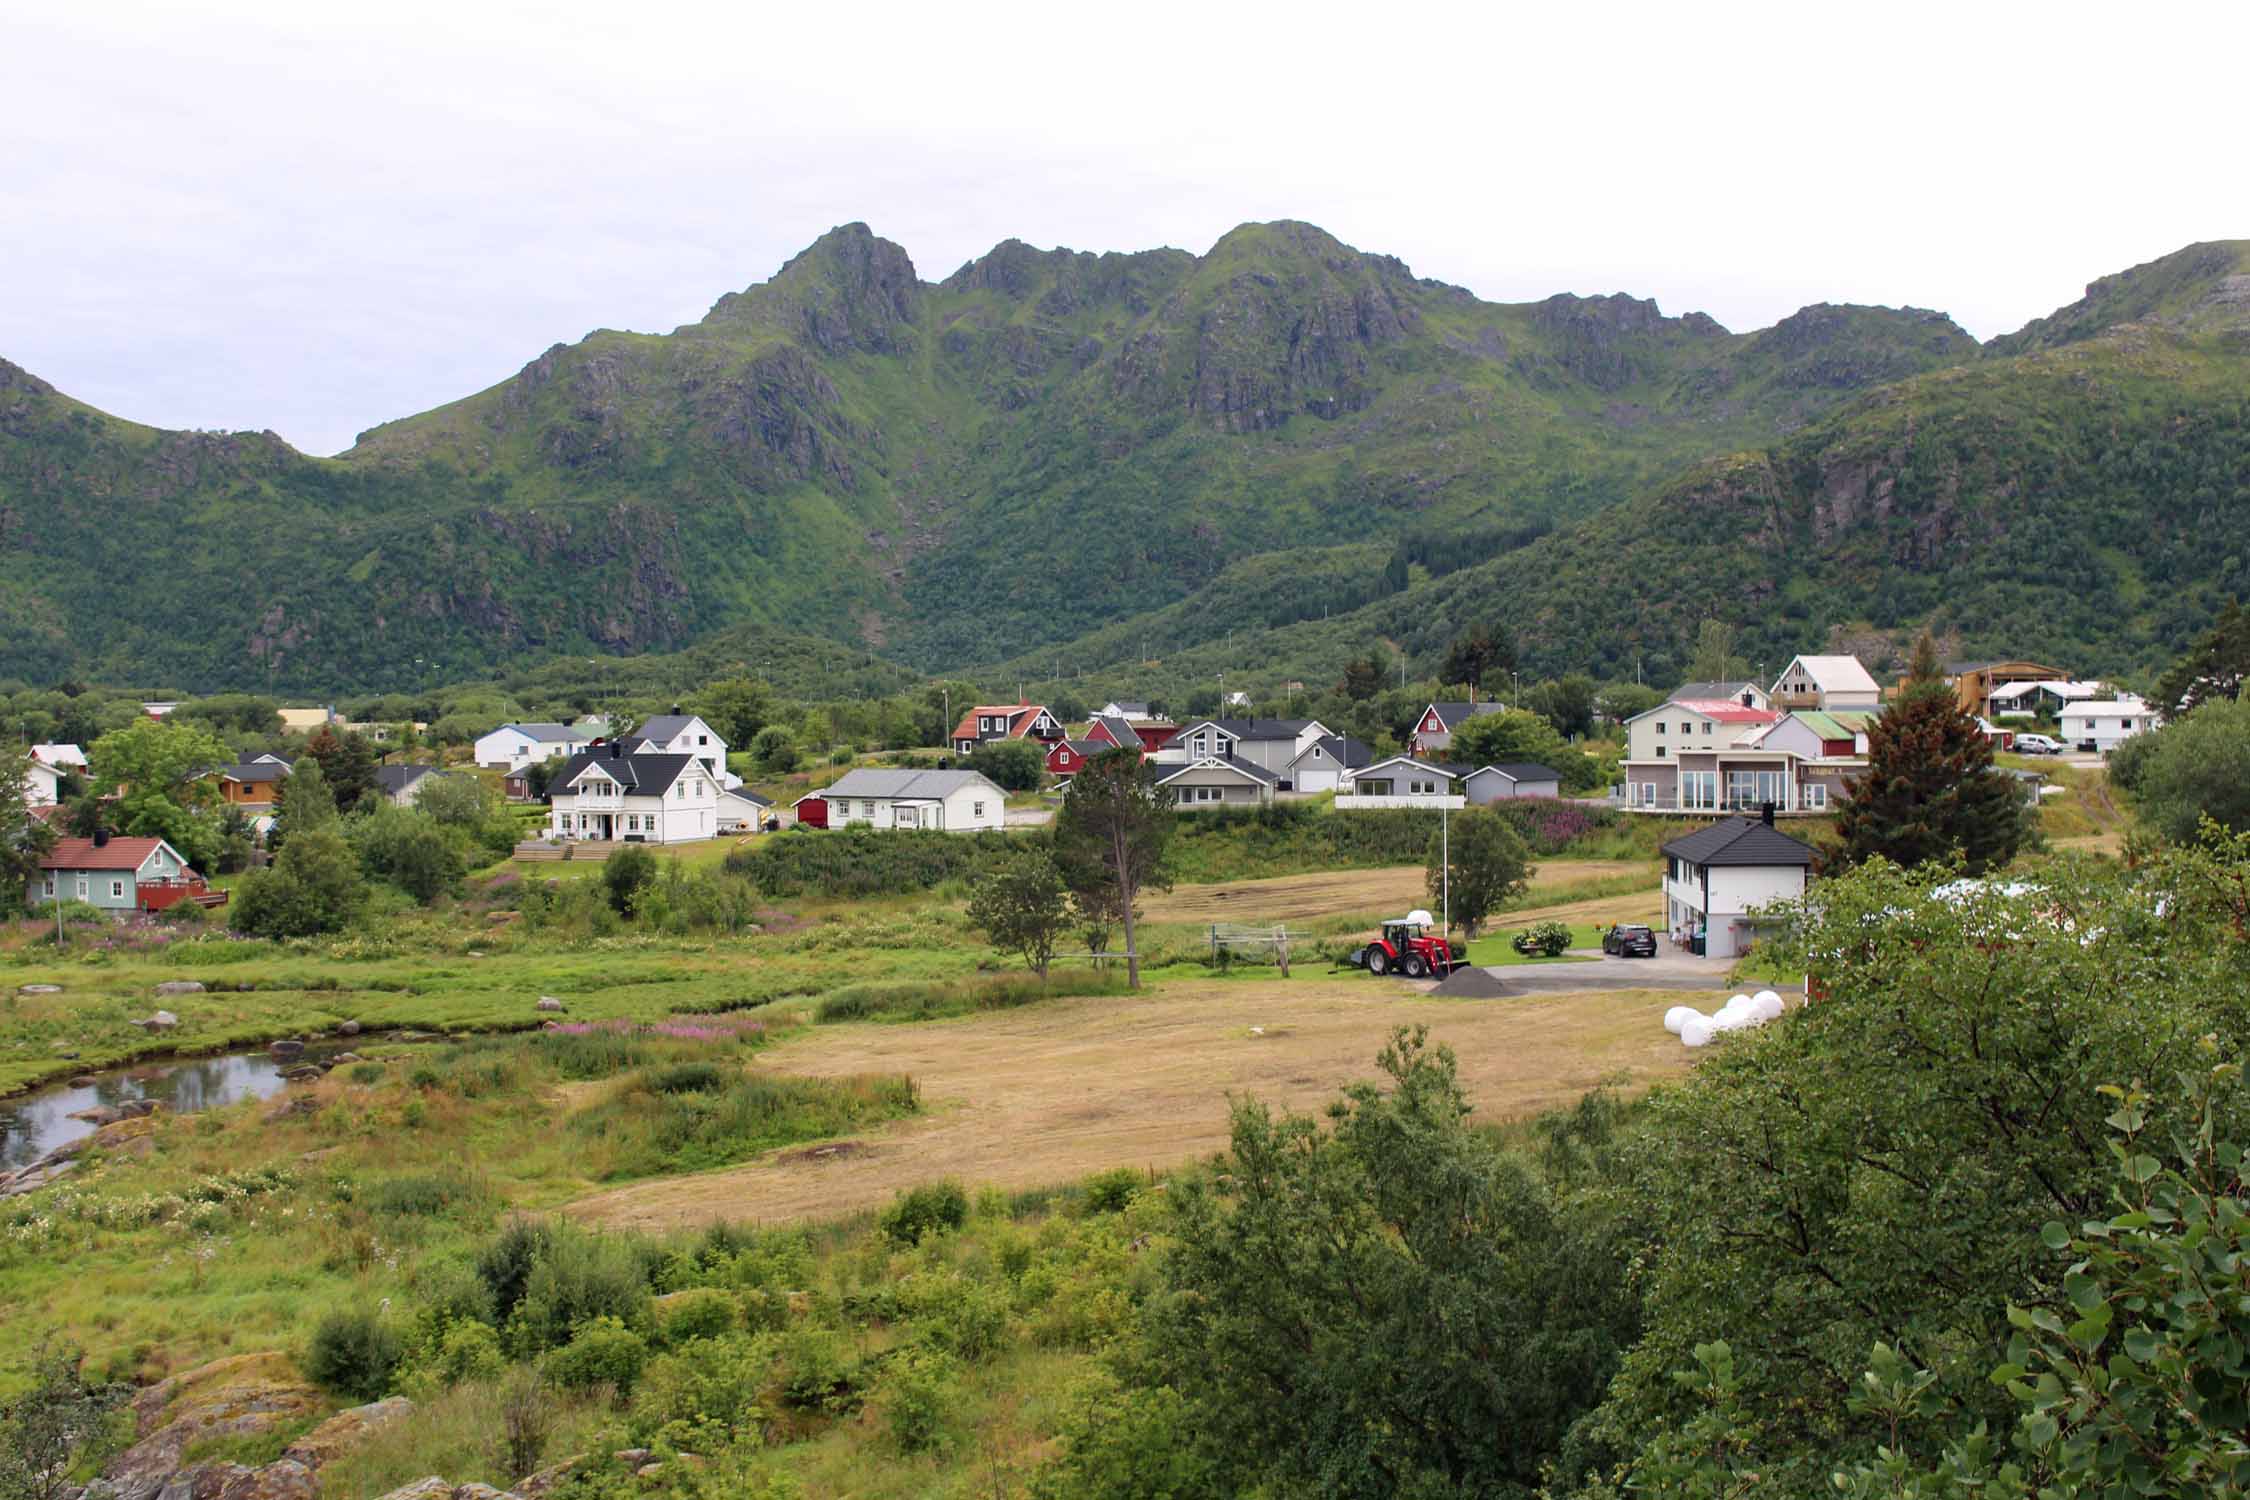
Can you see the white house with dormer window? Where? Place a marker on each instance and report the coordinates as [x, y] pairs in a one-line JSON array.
[[614, 794]]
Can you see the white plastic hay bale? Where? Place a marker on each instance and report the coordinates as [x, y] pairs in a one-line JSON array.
[[1769, 1006], [1764, 995], [1696, 1033], [1680, 1015]]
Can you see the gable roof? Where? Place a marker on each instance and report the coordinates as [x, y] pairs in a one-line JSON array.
[[1342, 749], [663, 726], [1714, 690], [1522, 770], [1834, 674], [545, 733], [1120, 730], [1257, 729], [641, 773], [117, 854], [1446, 769], [1724, 710], [1016, 716], [1740, 841], [874, 782], [398, 778], [1090, 748], [1222, 763], [744, 794], [254, 772], [61, 756], [1836, 723], [1452, 715]]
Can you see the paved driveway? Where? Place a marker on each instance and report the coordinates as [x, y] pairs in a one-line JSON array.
[[1669, 970]]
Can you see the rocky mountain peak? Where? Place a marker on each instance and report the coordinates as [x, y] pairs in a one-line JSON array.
[[2202, 288], [850, 291]]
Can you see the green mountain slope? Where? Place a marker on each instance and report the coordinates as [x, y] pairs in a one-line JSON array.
[[948, 473], [2087, 503]]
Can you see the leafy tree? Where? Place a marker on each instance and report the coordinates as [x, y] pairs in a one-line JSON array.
[[303, 801], [237, 842], [629, 871], [775, 750], [157, 772], [1714, 658], [1566, 702], [2196, 767], [410, 849], [1876, 1166], [1019, 905], [314, 885], [1489, 867], [1931, 790], [53, 1415], [1013, 765], [2216, 666], [737, 707], [1619, 701], [1112, 830], [1477, 653], [540, 774], [24, 839], [347, 761], [1362, 680], [243, 715], [1392, 1307], [1516, 735]]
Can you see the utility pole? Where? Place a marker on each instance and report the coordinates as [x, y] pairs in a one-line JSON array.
[[1445, 867], [945, 730]]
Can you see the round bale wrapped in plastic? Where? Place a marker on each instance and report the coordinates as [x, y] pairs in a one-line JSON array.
[[1678, 1016], [1697, 1033]]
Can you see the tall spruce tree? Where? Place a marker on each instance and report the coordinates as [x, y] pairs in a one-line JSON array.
[[1930, 790]]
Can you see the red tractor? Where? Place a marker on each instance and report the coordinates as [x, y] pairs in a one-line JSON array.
[[1407, 946]]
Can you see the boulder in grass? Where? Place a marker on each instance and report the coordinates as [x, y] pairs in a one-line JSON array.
[[163, 1020], [347, 1430], [282, 1051], [549, 1002], [347, 1028], [180, 987]]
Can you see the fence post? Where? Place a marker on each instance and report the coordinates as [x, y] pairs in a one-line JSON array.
[[1281, 949]]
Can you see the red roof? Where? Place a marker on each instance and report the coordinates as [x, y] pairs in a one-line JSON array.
[[117, 854], [1727, 711], [1018, 715]]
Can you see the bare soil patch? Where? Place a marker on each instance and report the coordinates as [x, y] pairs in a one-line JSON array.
[[1048, 1094], [1388, 890]]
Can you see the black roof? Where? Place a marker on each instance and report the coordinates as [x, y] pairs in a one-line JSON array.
[[1258, 729], [1231, 762], [251, 771], [641, 772], [398, 778], [1740, 841]]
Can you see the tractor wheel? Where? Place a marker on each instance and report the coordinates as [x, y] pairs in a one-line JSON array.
[[1378, 962], [1417, 967]]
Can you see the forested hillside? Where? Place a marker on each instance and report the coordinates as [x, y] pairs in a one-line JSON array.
[[1061, 460]]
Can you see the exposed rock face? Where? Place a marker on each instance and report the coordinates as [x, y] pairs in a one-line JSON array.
[[550, 1003], [239, 1396], [285, 1050], [346, 1430]]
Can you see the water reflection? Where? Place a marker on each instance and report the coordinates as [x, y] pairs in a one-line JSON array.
[[36, 1124]]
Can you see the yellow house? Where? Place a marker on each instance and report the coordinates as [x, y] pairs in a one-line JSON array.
[[307, 720], [1974, 682]]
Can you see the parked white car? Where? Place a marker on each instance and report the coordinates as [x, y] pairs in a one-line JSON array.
[[2037, 744]]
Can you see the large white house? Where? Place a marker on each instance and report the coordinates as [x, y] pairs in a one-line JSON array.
[[1715, 877], [2105, 723], [633, 796], [951, 801], [686, 734], [512, 747], [1269, 744], [41, 783]]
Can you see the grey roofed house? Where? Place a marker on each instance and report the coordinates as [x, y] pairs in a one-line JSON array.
[[1345, 751], [396, 779], [1443, 768], [1454, 715], [256, 772], [1524, 770], [640, 772], [546, 733], [1121, 732], [746, 795], [1224, 762], [1740, 841], [1713, 692], [871, 781]]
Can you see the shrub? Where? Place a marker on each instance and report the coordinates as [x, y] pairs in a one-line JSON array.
[[858, 861], [918, 1398], [686, 1078], [184, 914], [354, 1354], [629, 873], [1112, 1191], [964, 1318], [818, 1372], [842, 755], [706, 1380], [1011, 765], [506, 1264], [365, 1072], [579, 1278], [602, 1351], [925, 1210], [701, 1314], [421, 1195], [466, 1350], [1550, 939]]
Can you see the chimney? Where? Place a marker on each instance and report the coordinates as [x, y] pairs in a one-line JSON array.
[[101, 838], [616, 749], [1765, 813]]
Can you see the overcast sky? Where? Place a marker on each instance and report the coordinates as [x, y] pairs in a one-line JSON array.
[[319, 217]]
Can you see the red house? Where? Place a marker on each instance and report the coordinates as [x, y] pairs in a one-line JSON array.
[[1005, 721], [1066, 758], [811, 810]]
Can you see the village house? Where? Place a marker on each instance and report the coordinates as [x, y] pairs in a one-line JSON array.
[[2102, 724], [611, 793], [513, 747], [120, 874], [1066, 758], [948, 801], [68, 758], [742, 810], [1268, 744], [1829, 682], [1974, 682], [1217, 781], [308, 720], [1828, 749], [402, 785], [1321, 765], [1434, 730], [1403, 781], [1508, 782], [1005, 721], [1716, 877], [1692, 756], [676, 733], [252, 785], [42, 782], [1741, 690], [2038, 696]]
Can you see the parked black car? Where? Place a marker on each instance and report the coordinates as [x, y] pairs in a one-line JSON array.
[[1629, 942]]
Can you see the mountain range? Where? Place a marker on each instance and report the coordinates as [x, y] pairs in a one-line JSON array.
[[1263, 459]]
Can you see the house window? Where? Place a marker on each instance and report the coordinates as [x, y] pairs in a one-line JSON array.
[[1707, 726], [117, 890], [1659, 726], [1816, 795], [1648, 794], [976, 809], [703, 739], [1699, 789], [1660, 752]]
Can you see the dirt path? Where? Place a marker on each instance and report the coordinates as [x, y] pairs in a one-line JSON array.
[[1048, 1094], [1333, 893]]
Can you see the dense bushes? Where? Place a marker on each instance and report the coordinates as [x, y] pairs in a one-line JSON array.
[[353, 1353], [925, 1210], [861, 862]]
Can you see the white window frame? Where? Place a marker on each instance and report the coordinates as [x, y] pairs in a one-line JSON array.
[[117, 890], [1816, 796], [976, 809]]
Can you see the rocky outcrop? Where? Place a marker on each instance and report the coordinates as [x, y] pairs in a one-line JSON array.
[[180, 987], [346, 1430], [240, 1396]]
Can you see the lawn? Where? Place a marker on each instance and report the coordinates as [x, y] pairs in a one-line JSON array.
[[1497, 945]]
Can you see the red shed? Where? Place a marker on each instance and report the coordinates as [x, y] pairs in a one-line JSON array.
[[811, 810]]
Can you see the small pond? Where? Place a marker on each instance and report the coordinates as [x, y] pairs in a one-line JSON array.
[[36, 1123]]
